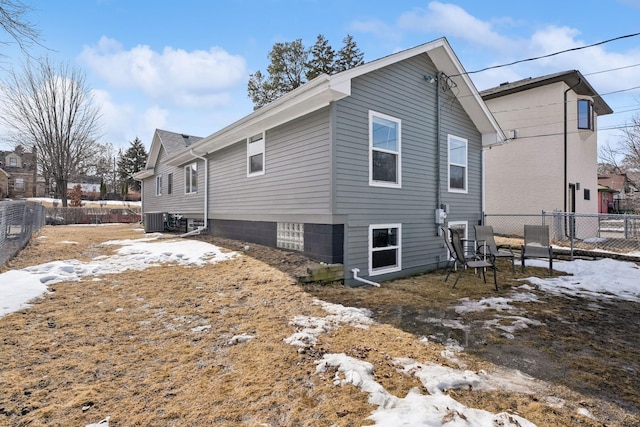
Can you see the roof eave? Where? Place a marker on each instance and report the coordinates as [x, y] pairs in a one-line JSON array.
[[143, 174], [310, 97], [572, 78]]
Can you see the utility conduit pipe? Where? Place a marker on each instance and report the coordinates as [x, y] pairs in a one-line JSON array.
[[206, 189], [355, 272]]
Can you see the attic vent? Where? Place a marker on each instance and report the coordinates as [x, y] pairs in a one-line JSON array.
[[185, 136], [504, 84]]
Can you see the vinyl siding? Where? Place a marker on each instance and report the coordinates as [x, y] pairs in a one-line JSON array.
[[297, 178], [191, 205], [400, 91]]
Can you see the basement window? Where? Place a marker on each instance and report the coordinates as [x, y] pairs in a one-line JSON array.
[[290, 235], [385, 243]]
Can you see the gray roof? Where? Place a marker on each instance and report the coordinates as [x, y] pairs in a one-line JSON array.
[[175, 142], [573, 78]]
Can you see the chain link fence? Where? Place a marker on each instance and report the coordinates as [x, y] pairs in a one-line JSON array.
[[18, 221], [617, 235]]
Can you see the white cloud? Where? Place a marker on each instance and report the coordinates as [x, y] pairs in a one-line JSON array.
[[452, 20], [376, 27], [123, 122], [187, 79]]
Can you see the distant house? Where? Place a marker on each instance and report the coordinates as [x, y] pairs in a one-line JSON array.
[[18, 175], [616, 193], [550, 160], [89, 185], [359, 168]]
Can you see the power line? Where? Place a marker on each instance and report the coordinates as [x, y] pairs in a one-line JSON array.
[[550, 54], [612, 69]]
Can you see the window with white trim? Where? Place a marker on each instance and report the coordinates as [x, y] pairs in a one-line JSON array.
[[19, 185], [255, 155], [13, 161], [159, 185], [462, 227], [384, 150], [191, 178], [385, 248], [457, 164], [170, 183]]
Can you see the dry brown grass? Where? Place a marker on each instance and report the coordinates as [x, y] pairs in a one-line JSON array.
[[124, 347]]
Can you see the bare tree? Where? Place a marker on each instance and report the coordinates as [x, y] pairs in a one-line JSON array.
[[625, 157], [51, 109], [14, 23], [609, 160]]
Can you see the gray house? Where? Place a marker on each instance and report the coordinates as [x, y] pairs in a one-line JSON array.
[[359, 168]]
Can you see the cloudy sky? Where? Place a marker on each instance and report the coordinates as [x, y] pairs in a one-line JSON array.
[[184, 66]]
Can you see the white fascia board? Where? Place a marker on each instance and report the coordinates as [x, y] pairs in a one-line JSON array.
[[145, 173], [154, 151]]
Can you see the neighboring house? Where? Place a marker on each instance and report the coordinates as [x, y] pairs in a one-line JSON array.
[[357, 168], [617, 193], [549, 162], [18, 175], [89, 185]]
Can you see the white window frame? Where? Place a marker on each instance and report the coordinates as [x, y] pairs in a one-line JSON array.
[[158, 185], [170, 183], [256, 146], [464, 165], [397, 153], [188, 178], [456, 225], [19, 184], [371, 250], [13, 162]]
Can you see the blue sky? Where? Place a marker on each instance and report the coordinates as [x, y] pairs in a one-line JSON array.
[[183, 66]]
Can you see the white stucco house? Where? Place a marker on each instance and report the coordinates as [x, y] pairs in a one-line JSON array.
[[549, 161]]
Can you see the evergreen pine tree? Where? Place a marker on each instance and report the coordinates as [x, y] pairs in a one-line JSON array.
[[322, 59], [132, 161], [349, 56]]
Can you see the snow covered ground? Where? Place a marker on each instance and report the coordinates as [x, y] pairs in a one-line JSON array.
[[605, 278]]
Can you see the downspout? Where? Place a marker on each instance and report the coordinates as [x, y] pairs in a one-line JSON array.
[[566, 183], [355, 272], [206, 188], [483, 185], [566, 143], [439, 151]]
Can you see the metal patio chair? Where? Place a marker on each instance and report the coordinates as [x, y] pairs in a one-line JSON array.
[[536, 245], [464, 261], [486, 245]]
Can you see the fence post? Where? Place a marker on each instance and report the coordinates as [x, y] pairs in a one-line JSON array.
[[626, 226], [572, 232]]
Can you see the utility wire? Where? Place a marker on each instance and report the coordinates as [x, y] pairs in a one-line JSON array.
[[549, 55], [611, 69]]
